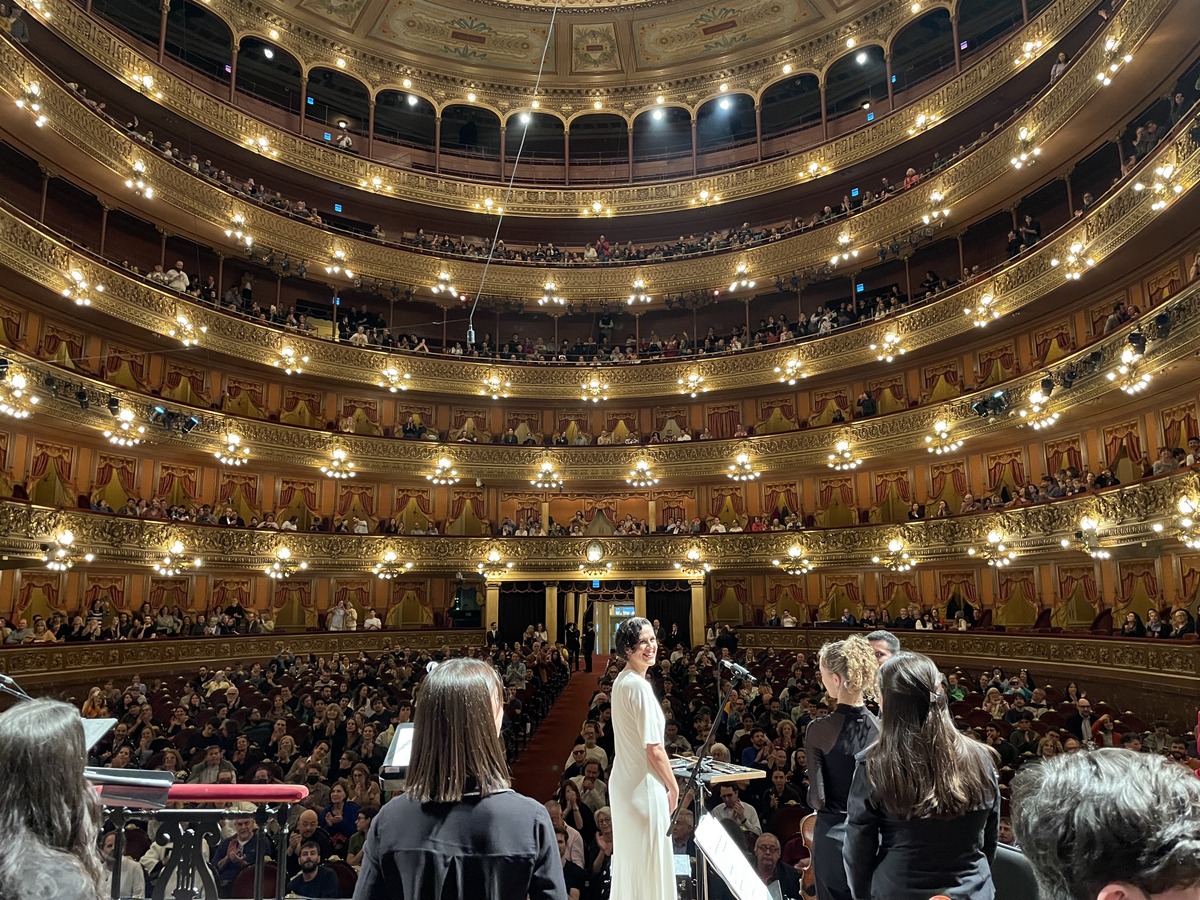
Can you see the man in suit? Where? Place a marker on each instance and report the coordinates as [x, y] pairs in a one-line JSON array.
[[1080, 724], [573, 645], [1087, 834], [589, 645], [492, 636], [770, 869]]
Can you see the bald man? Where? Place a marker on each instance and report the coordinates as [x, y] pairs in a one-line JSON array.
[[307, 829]]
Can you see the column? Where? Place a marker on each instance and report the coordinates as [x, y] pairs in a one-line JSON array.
[[693, 145], [551, 618], [630, 151], [569, 609], [103, 225], [491, 605], [220, 278], [758, 129], [824, 113], [165, 7], [957, 43], [1024, 12], [503, 140], [699, 613], [371, 128], [437, 144], [887, 62], [162, 247], [1070, 193], [546, 513], [46, 176], [303, 102], [962, 259], [233, 72], [639, 599], [652, 512], [567, 155]]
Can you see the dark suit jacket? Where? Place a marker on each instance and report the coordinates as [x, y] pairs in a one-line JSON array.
[[491, 637], [1074, 724], [889, 858], [589, 641]]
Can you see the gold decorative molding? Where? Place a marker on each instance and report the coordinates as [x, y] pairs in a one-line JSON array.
[[1128, 515], [122, 57], [885, 437]]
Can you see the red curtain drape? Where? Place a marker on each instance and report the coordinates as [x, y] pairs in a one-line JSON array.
[[904, 591], [136, 362], [363, 493], [779, 496], [113, 592], [1011, 579], [295, 399], [1063, 454], [735, 497], [404, 496], [1129, 439], [122, 465], [254, 390], [307, 489], [286, 591], [722, 423], [176, 376], [1132, 574], [844, 487], [225, 591], [785, 405], [961, 583], [185, 475], [892, 481], [232, 482], [169, 592], [45, 455], [1070, 579], [1179, 424], [354, 592]]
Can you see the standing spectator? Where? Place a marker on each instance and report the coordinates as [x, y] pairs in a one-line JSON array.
[[1060, 66]]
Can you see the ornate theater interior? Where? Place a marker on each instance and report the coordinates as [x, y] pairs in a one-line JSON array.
[[510, 311]]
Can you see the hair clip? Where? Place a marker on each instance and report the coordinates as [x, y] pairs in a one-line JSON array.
[[933, 696]]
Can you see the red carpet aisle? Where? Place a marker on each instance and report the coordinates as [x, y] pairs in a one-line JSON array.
[[537, 771]]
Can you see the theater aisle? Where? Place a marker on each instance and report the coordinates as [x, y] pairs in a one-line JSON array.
[[538, 768]]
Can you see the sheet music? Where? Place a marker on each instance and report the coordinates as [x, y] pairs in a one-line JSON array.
[[727, 860]]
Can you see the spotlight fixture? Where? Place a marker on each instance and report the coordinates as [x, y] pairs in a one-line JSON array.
[[16, 400], [285, 565], [137, 181], [187, 333], [983, 311], [445, 285], [390, 566], [593, 388], [290, 361], [692, 384], [234, 453], [1164, 188], [641, 475], [1027, 151], [393, 379], [896, 558], [173, 563], [638, 294], [339, 466], [791, 371], [741, 279], [547, 477], [550, 294], [997, 553], [82, 398], [843, 458], [741, 469], [62, 554], [31, 101], [1075, 263], [940, 442], [443, 472], [889, 348], [796, 563], [495, 385], [693, 564], [79, 290], [124, 432], [494, 567], [994, 405]]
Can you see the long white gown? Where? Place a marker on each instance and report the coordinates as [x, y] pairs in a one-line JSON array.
[[642, 864]]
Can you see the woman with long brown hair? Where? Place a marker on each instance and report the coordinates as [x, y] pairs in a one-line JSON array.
[[924, 806], [850, 673], [459, 830]]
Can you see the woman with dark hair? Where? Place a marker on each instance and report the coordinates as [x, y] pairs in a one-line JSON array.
[[48, 814], [924, 806], [642, 862], [850, 673], [1132, 626], [459, 830]]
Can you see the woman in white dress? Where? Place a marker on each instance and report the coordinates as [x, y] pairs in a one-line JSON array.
[[642, 790]]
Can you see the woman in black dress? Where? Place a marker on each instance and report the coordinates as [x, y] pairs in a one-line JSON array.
[[850, 673], [924, 807]]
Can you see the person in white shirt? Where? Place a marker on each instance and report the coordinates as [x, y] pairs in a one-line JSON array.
[[788, 620], [361, 526], [734, 810], [289, 525], [177, 279], [574, 838], [351, 618], [133, 881]]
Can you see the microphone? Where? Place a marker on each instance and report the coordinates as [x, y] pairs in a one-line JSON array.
[[739, 671]]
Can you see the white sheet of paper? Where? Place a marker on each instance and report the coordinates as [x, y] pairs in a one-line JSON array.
[[727, 860]]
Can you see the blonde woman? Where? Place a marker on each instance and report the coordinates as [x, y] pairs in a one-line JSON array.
[[363, 790], [850, 674]]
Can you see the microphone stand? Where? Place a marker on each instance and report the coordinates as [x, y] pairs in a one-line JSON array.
[[695, 784]]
